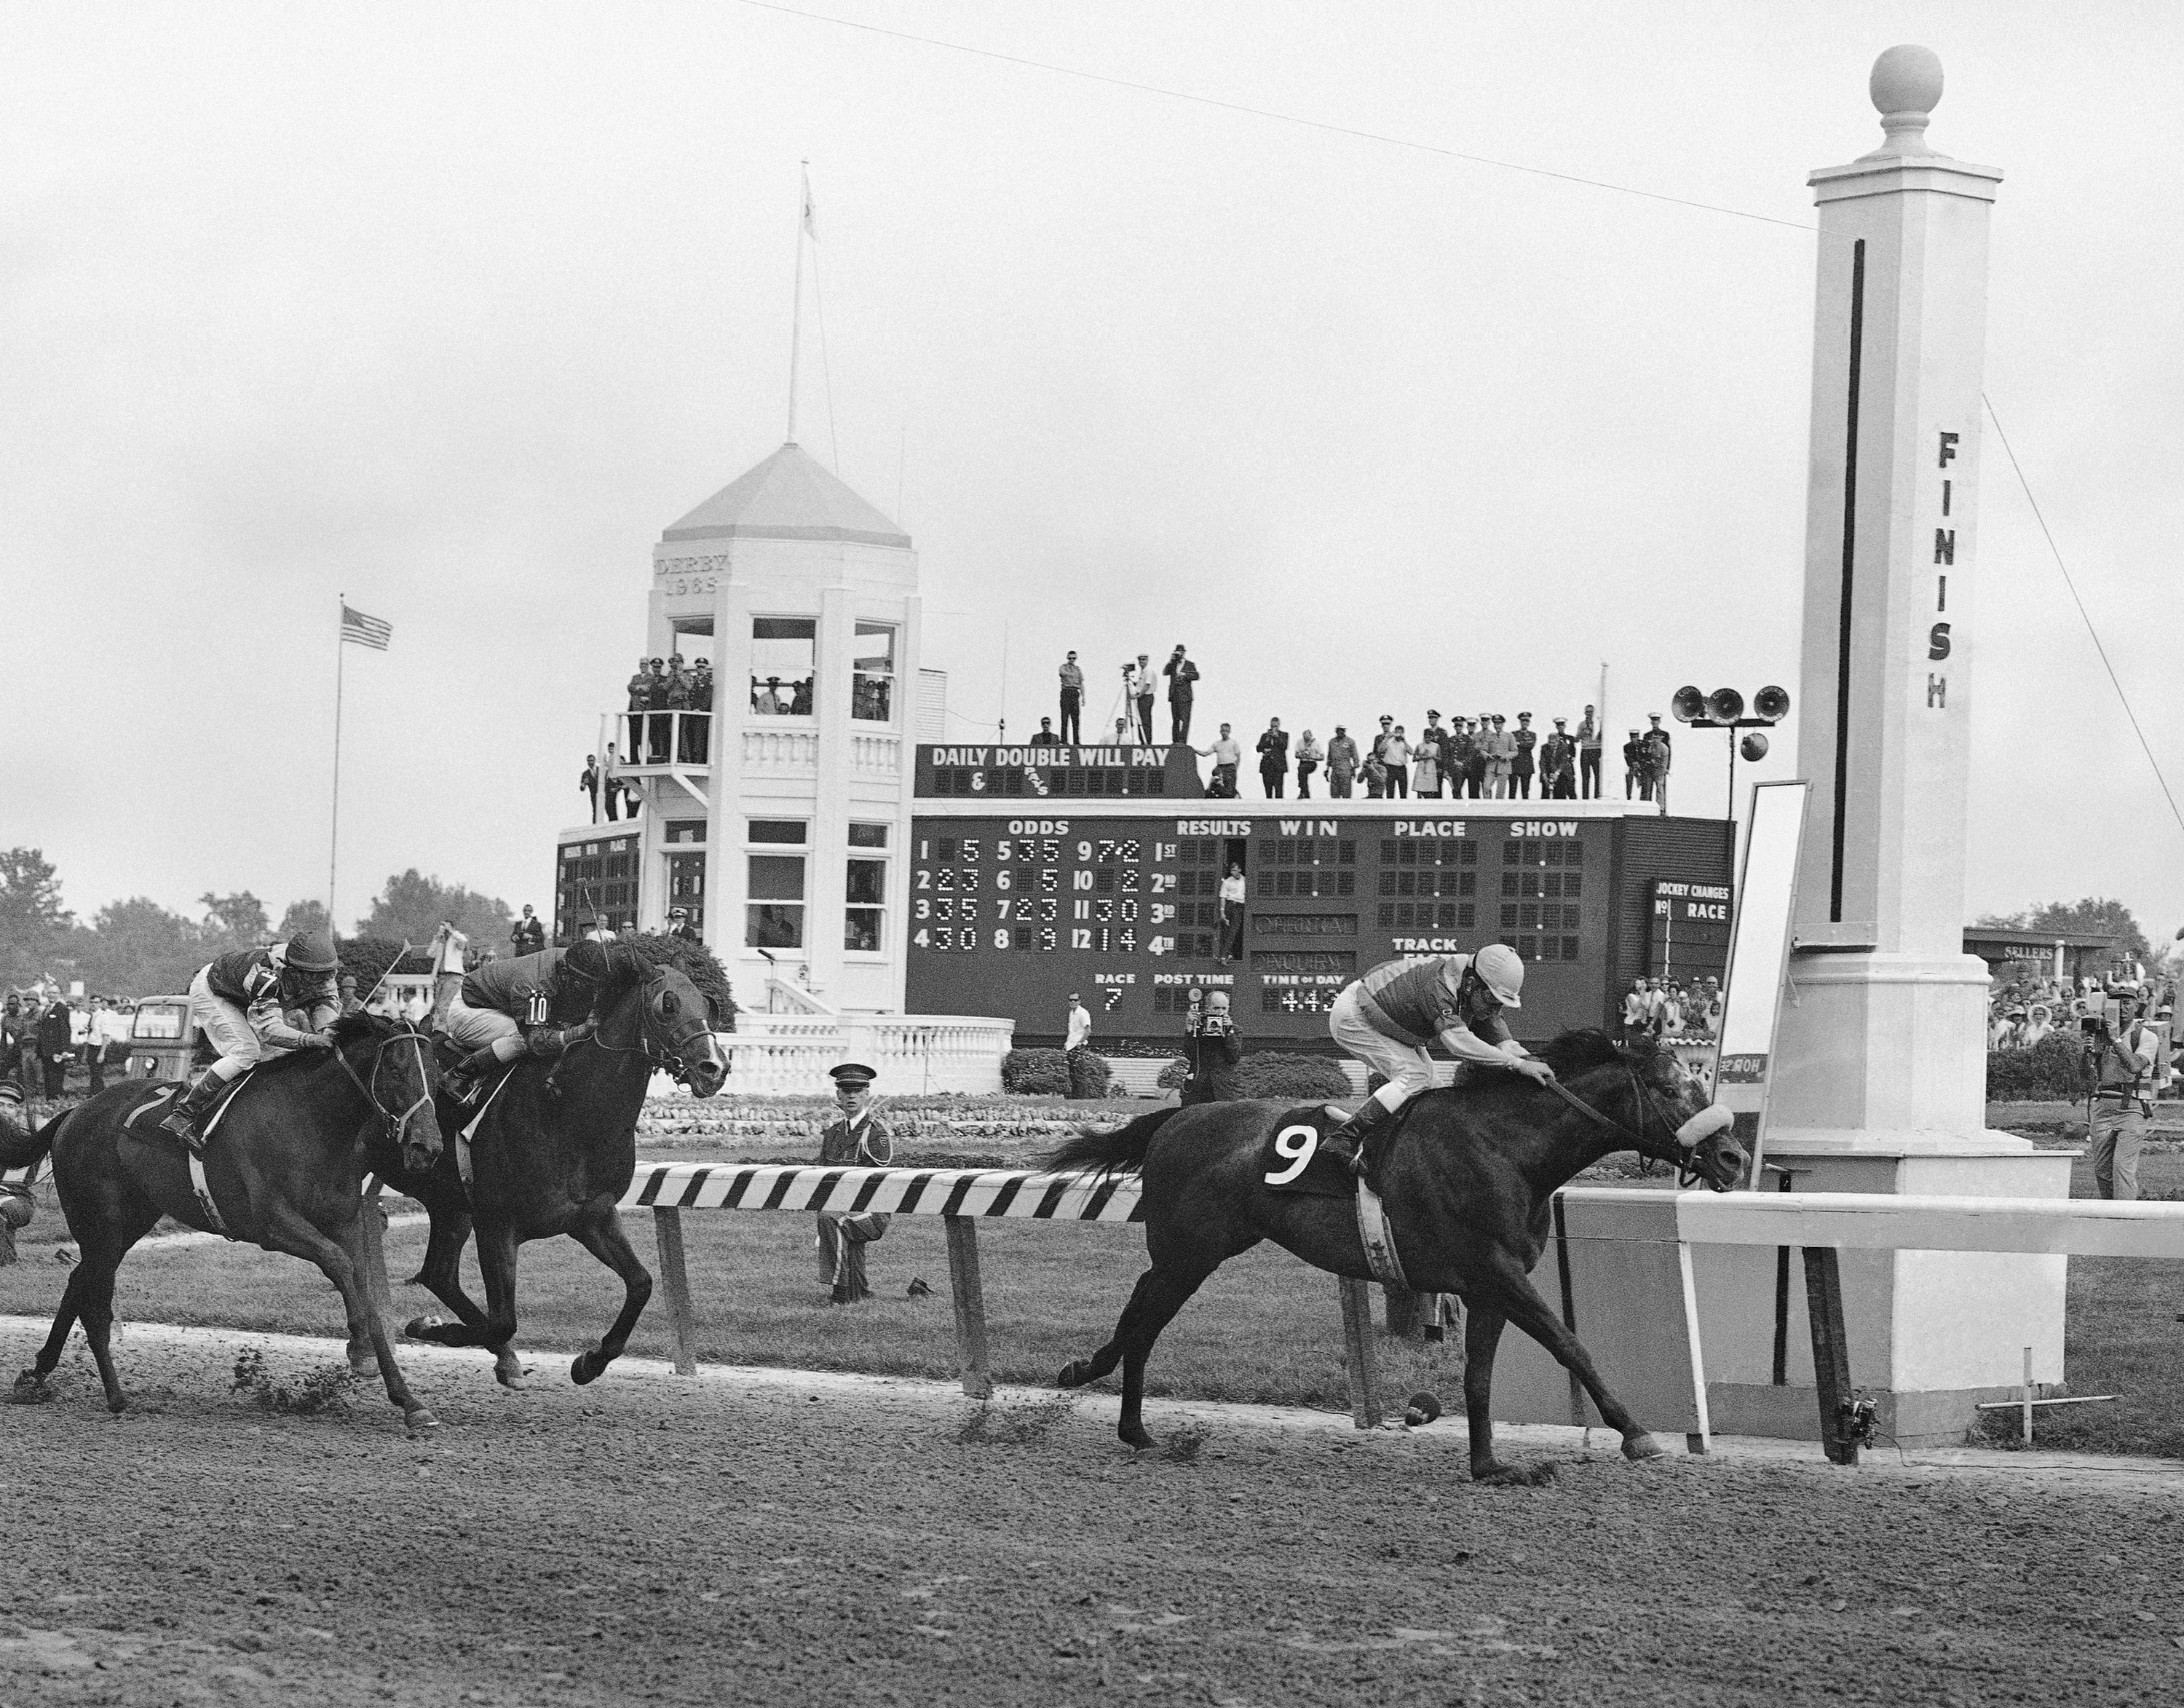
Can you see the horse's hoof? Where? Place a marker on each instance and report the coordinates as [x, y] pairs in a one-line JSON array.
[[1643, 1446], [420, 1423], [1074, 1374], [30, 1389], [117, 1404], [586, 1367], [364, 1369], [1136, 1438]]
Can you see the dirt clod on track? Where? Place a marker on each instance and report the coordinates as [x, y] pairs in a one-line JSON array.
[[646, 1539]]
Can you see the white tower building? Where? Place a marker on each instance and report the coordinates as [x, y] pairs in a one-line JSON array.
[[779, 822]]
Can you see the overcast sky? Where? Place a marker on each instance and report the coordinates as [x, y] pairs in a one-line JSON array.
[[456, 307]]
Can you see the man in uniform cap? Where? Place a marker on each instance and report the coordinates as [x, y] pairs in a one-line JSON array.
[[857, 1140], [678, 925]]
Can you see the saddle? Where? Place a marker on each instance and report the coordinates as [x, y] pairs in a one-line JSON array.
[[142, 1124]]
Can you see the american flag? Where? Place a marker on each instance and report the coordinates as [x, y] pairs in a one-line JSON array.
[[365, 631]]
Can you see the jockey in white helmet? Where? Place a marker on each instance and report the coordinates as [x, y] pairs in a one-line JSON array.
[[1387, 1018]]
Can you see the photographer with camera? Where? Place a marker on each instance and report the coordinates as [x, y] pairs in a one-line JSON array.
[[1214, 1050], [2128, 1059]]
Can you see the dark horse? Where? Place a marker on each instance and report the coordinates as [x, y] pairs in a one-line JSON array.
[[1468, 1182], [286, 1166], [553, 1152]]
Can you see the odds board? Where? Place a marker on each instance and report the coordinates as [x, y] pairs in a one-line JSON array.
[[1038, 872]]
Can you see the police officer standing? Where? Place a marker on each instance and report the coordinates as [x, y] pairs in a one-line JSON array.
[[856, 1139], [2129, 1070], [1214, 1052]]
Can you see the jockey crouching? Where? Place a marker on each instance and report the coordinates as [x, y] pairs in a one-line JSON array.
[[242, 1002], [540, 1003], [1387, 1018]]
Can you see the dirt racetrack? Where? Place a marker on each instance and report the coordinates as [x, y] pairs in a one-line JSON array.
[[738, 1539]]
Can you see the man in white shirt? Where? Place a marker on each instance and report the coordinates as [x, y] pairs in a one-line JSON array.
[[1079, 1033], [1227, 755], [109, 1045], [1141, 681], [1231, 946]]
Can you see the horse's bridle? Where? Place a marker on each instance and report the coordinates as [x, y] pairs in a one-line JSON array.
[[395, 1125], [1644, 1096], [655, 1054]]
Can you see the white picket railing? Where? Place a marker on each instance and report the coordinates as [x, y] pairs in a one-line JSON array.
[[788, 1055]]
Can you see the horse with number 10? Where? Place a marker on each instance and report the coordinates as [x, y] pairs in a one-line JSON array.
[[1468, 1179]]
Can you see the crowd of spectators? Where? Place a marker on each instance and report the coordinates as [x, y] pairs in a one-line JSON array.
[[1488, 758], [2022, 1012], [663, 687], [43, 1036], [1669, 1009]]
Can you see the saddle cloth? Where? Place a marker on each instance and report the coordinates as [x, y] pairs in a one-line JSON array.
[[1292, 1159], [144, 1127]]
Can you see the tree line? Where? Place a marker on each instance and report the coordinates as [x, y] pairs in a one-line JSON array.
[[138, 948]]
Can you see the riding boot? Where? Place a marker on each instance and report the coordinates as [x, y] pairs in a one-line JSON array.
[[1349, 1142], [192, 1107], [463, 1080]]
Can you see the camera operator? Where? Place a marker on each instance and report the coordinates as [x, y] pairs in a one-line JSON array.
[[1214, 1050], [2127, 1061]]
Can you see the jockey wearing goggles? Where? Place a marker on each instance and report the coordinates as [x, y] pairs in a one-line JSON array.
[[242, 1003]]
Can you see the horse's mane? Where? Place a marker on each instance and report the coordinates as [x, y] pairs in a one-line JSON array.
[[694, 961], [347, 1030], [1578, 1050]]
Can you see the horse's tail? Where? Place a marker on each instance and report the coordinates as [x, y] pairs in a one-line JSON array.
[[23, 1148], [1114, 1148]]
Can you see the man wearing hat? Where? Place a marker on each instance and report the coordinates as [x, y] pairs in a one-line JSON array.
[[1558, 764], [678, 925], [1341, 764], [1637, 779], [857, 1140], [1501, 754]]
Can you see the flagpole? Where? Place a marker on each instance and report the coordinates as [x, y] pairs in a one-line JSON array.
[[333, 833], [796, 315]]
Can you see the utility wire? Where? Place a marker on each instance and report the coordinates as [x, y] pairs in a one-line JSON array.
[[1320, 125], [2084, 614]]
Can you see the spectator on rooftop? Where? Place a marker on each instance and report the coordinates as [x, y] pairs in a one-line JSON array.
[[1588, 755], [1308, 757], [1141, 684], [1500, 754], [1524, 740], [1274, 758], [696, 720], [1181, 674], [1227, 759], [1558, 765], [1637, 779], [1475, 775], [1122, 737], [1045, 737], [590, 781], [1072, 702], [640, 697], [1656, 760], [1425, 770], [1341, 764], [1395, 754]]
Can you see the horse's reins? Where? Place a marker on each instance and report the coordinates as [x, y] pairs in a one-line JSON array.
[[396, 1124], [1644, 1098], [658, 1056]]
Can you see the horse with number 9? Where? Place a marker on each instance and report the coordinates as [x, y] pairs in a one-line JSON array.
[[1469, 1181]]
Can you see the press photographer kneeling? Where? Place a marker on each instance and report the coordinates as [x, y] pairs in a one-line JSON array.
[[1212, 1048], [2129, 1059]]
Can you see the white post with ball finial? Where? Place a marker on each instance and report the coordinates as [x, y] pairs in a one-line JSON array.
[[1879, 1081]]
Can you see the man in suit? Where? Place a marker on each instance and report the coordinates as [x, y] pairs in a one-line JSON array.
[[1181, 674], [528, 936], [856, 1139]]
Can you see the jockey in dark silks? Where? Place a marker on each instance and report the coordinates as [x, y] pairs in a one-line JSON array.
[[1387, 1018], [242, 1003], [539, 1004]]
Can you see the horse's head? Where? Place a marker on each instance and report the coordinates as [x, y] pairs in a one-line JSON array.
[[658, 1011], [1675, 1107], [391, 1064]]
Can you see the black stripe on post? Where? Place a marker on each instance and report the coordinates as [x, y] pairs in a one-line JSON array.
[[1049, 1201], [652, 1184], [825, 1190], [744, 1176], [1006, 1197], [912, 1193], [1098, 1204], [691, 1187], [867, 1191], [780, 1189], [1849, 566], [961, 1190]]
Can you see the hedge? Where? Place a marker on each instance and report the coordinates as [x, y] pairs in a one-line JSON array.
[[1043, 1073], [1089, 1074], [2051, 1071]]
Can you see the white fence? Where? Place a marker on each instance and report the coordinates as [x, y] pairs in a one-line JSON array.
[[787, 1055]]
